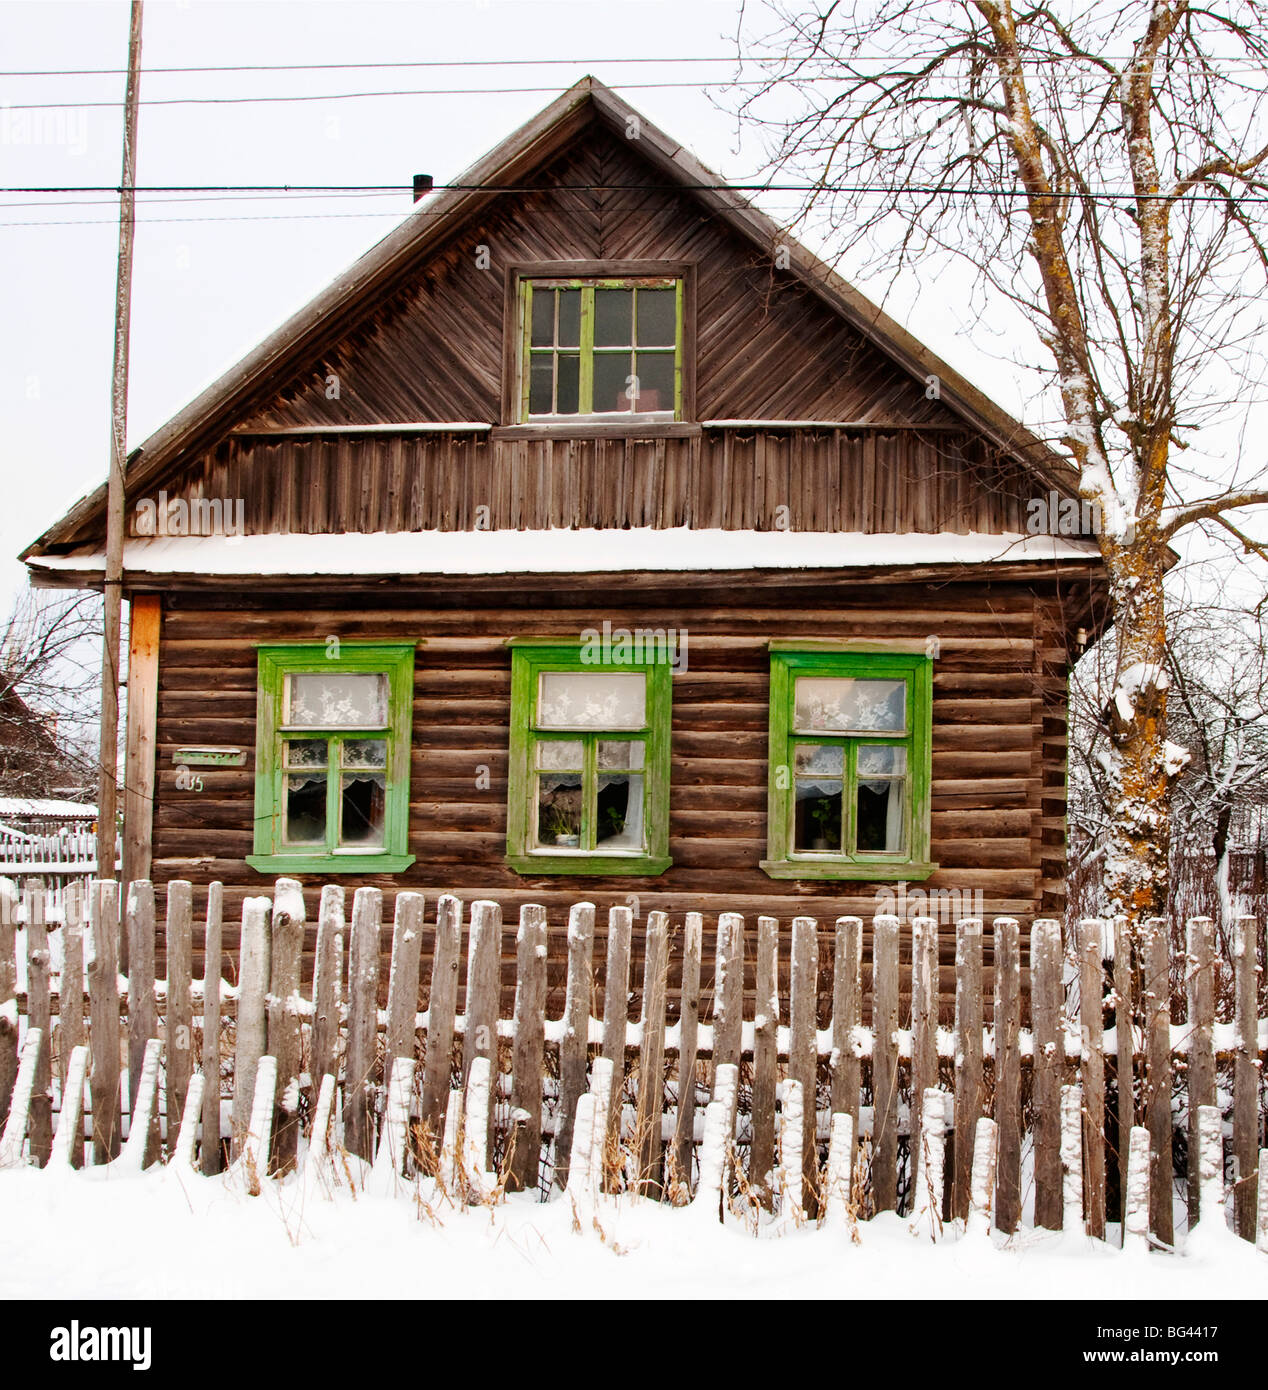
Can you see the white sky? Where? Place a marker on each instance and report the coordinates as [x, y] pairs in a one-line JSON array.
[[205, 291]]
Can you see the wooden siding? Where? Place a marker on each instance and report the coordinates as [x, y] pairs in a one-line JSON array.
[[994, 690]]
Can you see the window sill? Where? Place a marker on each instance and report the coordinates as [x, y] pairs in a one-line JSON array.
[[532, 865], [598, 429], [330, 863], [911, 870]]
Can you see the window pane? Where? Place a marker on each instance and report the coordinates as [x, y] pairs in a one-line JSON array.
[[561, 753], [881, 760], [305, 810], [541, 383], [613, 318], [655, 372], [817, 817], [850, 706], [305, 752], [364, 796], [338, 701], [612, 371], [542, 332], [620, 812], [569, 318], [591, 700], [657, 318], [568, 397], [825, 758], [880, 820], [621, 753], [364, 752], [559, 810]]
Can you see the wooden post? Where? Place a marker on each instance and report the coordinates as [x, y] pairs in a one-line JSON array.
[[1261, 1225], [530, 1047], [180, 1011], [885, 1063], [803, 1054], [328, 982], [847, 1015], [1008, 1072], [1136, 1192], [187, 1135], [1125, 1058], [982, 1188], [484, 995], [924, 1025], [13, 1134], [209, 1157], [1245, 1076], [1049, 1065], [1072, 1160], [69, 1137], [142, 1012], [103, 993], [719, 1128], [1092, 1073], [1210, 1166], [8, 997], [1156, 1002], [1200, 996], [651, 1057], [792, 1160], [137, 1154], [929, 1166], [765, 1060], [255, 1143], [363, 1024], [253, 977], [287, 936], [836, 1200], [442, 1004], [38, 1017], [144, 619], [70, 1018], [616, 1004], [688, 1044], [968, 1056], [402, 983], [574, 1045], [728, 992]]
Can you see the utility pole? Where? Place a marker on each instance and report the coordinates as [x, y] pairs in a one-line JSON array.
[[107, 787]]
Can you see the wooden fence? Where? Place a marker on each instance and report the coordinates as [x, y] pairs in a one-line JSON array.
[[1024, 1120]]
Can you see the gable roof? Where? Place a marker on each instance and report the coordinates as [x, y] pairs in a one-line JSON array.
[[507, 165]]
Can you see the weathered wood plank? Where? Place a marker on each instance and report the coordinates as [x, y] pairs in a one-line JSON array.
[[688, 1044], [530, 1047], [480, 1036], [1199, 985], [179, 1016], [1049, 1065], [574, 1048], [144, 622], [847, 1015], [1156, 1009], [924, 1025], [402, 991], [616, 1002], [361, 1081], [70, 1020], [885, 1063], [1246, 1121], [441, 1006], [651, 1060], [8, 997], [1092, 1072], [253, 978], [766, 1060], [1124, 1064], [209, 1154], [1007, 1020], [286, 936], [142, 1012], [40, 1122], [968, 1056], [728, 992], [328, 982], [103, 994]]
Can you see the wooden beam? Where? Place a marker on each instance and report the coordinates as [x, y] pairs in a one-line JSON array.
[[145, 618]]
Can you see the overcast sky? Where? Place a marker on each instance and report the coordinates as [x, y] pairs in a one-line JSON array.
[[213, 277]]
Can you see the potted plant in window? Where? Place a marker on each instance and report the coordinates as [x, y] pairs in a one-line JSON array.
[[563, 827], [822, 813]]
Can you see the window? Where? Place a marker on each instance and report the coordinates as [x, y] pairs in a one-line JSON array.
[[849, 763], [589, 771], [606, 349], [332, 758]]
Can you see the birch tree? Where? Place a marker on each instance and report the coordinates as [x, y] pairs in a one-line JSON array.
[[1102, 166]]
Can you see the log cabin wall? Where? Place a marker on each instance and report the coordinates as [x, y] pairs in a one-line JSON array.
[[998, 686]]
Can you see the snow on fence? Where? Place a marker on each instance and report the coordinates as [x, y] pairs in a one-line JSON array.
[[999, 1125], [65, 853]]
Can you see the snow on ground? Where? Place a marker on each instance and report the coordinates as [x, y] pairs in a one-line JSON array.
[[172, 1234]]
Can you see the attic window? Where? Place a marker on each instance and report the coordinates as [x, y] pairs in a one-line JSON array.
[[601, 349]]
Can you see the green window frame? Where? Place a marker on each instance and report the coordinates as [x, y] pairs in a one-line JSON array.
[[562, 347], [542, 749], [348, 754], [861, 769]]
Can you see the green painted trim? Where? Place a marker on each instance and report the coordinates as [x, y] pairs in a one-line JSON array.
[[915, 646], [811, 659], [530, 658], [275, 663]]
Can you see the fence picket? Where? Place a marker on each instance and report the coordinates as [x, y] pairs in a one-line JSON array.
[[13, 1137], [924, 1025], [1136, 1201], [328, 981], [1071, 1160], [1246, 1122], [574, 1045], [651, 1057], [847, 1016], [1124, 1057], [402, 980], [70, 1018], [530, 1046], [616, 1008], [1156, 1008], [8, 996], [1049, 1064], [803, 994], [68, 1141], [361, 1079], [885, 1063], [968, 1057], [728, 992], [1092, 1073], [982, 1186], [484, 990], [765, 1060], [39, 1015], [286, 935], [103, 993], [253, 975], [688, 1043], [209, 1156], [442, 1001], [1007, 936], [179, 1029], [1199, 988], [142, 1010]]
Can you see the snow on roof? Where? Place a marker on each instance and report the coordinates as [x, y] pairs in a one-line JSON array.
[[560, 551], [36, 806]]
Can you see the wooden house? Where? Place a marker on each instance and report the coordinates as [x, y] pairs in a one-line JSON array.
[[590, 538]]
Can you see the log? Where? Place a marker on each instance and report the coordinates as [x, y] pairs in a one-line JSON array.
[[253, 976], [688, 1045], [484, 992], [529, 1049], [142, 1013], [1008, 1072], [180, 1012], [103, 995], [924, 1025], [1200, 998], [651, 1057], [1125, 1056], [968, 1057], [286, 934], [574, 1044], [728, 992], [765, 1062], [1048, 1067], [616, 1003], [1092, 1072], [402, 987], [328, 981], [1246, 1121], [442, 1004], [209, 1157], [361, 1080], [847, 1016], [1156, 1008], [885, 1063], [39, 1016]]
